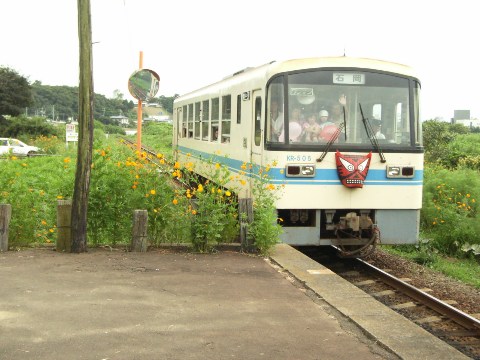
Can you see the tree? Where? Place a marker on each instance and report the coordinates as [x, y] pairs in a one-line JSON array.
[[15, 92], [167, 102]]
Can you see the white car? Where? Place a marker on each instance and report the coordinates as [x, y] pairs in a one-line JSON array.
[[16, 147]]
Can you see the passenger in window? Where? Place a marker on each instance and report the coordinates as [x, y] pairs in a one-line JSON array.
[[276, 119], [377, 129], [295, 126], [215, 134], [324, 121], [311, 129], [336, 110], [328, 128], [297, 116]]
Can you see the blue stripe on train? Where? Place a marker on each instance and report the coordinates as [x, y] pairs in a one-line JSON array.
[[322, 176]]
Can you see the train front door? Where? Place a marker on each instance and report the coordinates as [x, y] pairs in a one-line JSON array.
[[256, 157]]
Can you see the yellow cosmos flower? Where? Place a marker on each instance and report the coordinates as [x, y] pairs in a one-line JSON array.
[[153, 192], [228, 193], [200, 188], [59, 197], [175, 201]]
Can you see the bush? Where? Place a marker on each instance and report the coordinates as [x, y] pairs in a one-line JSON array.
[[265, 229], [449, 213]]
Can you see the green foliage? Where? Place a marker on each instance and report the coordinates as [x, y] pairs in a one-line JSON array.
[[15, 92], [158, 136], [437, 136], [265, 230], [50, 144], [449, 213], [61, 103], [23, 128], [212, 210], [32, 186], [462, 269], [167, 102]]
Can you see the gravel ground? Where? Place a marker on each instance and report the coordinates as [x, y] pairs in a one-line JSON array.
[[443, 287]]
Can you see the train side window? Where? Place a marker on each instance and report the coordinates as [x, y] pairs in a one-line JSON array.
[[258, 120], [197, 120], [190, 120], [214, 118], [239, 109], [226, 117], [184, 121], [205, 119]]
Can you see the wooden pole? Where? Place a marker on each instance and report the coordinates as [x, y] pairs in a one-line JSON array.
[[85, 130], [64, 225], [139, 232], [139, 110], [245, 206], [5, 216]]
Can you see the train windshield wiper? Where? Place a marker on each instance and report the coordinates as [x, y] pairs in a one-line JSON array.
[[333, 138], [345, 121], [371, 135]]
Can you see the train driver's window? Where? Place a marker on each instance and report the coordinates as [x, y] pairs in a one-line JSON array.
[[275, 117], [214, 119], [226, 117]]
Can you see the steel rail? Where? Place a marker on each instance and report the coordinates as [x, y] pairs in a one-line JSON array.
[[458, 316]]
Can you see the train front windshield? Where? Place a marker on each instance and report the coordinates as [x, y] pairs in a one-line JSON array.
[[348, 108]]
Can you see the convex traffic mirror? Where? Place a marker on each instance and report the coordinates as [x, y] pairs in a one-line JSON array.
[[143, 84]]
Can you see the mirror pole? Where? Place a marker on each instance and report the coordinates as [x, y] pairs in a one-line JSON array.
[[139, 111]]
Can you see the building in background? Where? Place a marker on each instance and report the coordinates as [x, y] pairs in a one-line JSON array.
[[463, 117]]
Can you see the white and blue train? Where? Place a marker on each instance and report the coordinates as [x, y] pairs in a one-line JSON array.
[[343, 135]]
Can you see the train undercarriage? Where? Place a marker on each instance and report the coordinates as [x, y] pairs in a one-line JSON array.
[[353, 232]]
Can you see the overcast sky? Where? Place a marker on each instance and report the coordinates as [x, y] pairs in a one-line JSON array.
[[191, 43]]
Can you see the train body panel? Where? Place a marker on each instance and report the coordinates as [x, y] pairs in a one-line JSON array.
[[348, 180]]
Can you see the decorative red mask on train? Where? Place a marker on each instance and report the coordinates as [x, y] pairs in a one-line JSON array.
[[352, 169]]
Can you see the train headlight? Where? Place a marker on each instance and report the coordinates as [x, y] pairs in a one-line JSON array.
[[300, 170], [397, 171]]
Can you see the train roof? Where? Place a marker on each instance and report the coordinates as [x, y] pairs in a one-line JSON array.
[[274, 67]]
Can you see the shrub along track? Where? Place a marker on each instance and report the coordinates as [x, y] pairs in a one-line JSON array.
[[414, 292]]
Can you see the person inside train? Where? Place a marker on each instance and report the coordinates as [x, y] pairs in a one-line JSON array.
[[276, 119], [294, 127], [337, 109], [324, 120], [311, 129], [377, 129]]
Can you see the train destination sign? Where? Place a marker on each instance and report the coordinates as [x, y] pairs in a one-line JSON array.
[[349, 78]]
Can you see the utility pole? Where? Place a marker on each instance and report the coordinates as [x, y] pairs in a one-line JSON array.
[[85, 130]]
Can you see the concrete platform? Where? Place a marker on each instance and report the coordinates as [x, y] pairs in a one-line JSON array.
[[111, 304], [404, 338], [162, 305]]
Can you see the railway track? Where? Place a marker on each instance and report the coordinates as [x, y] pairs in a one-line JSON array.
[[439, 317]]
